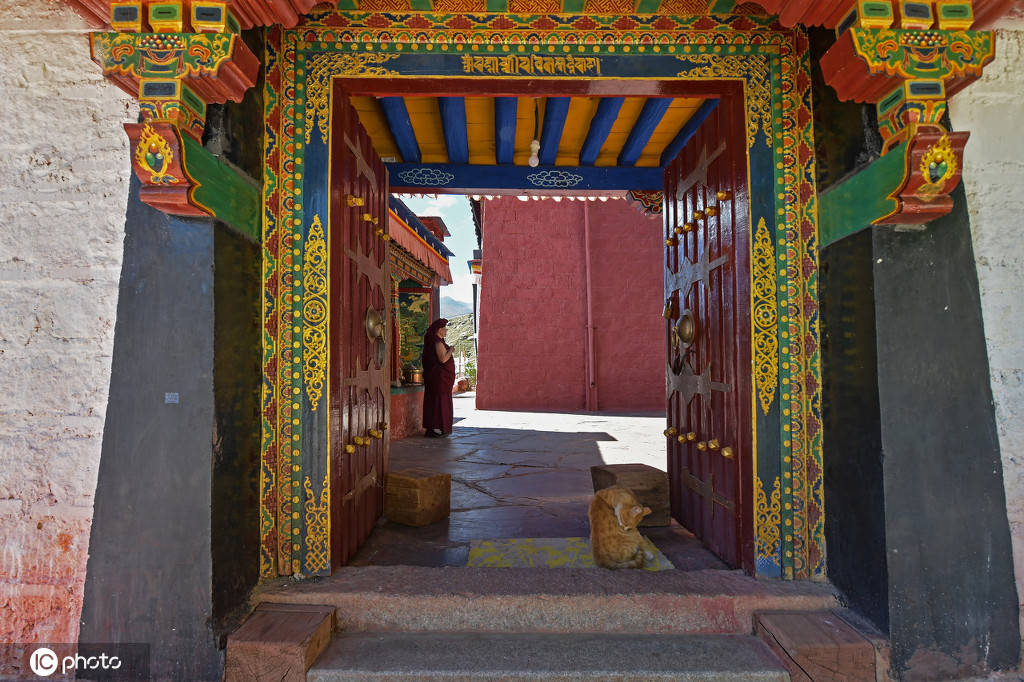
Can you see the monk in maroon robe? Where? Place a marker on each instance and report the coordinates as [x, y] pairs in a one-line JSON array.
[[438, 380]]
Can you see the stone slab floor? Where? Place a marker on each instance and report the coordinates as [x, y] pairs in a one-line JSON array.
[[519, 475]]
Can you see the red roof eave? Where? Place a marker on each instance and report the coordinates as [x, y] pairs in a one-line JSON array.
[[406, 237]]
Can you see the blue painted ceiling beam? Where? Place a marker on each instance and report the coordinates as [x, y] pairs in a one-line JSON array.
[[411, 177], [555, 111], [401, 127], [453, 121], [607, 111], [687, 131], [504, 128], [650, 116]]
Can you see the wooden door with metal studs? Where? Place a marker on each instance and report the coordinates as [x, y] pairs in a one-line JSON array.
[[707, 322], [360, 293]]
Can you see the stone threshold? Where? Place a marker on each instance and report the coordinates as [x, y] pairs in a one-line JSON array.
[[451, 599]]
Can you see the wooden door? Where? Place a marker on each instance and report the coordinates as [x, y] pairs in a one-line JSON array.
[[707, 289], [360, 296]]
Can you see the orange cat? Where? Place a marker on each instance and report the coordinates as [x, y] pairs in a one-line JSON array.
[[614, 515]]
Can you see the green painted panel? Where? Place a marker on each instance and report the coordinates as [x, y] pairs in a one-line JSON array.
[[858, 201], [497, 5], [422, 5], [231, 197], [572, 6], [722, 6], [413, 320], [876, 10], [647, 6], [348, 4]]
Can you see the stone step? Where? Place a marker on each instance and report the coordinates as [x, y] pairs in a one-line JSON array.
[[413, 598], [548, 657]]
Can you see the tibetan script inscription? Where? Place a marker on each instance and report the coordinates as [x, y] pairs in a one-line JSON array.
[[532, 65]]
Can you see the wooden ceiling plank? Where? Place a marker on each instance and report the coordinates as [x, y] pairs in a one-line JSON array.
[[453, 121], [397, 116], [607, 111], [555, 111], [504, 128], [688, 131], [650, 116]]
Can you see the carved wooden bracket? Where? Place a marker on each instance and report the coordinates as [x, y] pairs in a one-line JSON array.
[[159, 162], [180, 177], [908, 186], [175, 75], [933, 164], [247, 13], [907, 58], [844, 13]]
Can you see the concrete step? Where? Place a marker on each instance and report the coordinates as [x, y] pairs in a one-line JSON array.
[[548, 657], [421, 599]]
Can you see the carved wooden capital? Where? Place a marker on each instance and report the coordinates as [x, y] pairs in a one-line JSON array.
[[180, 177], [159, 163], [845, 13], [247, 13], [933, 165]]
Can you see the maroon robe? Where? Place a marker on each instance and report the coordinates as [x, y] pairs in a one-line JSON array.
[[438, 381]]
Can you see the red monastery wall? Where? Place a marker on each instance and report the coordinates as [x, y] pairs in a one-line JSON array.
[[533, 310]]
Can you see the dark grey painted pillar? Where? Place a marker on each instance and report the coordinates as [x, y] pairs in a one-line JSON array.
[[149, 572], [174, 543], [854, 500], [952, 597]]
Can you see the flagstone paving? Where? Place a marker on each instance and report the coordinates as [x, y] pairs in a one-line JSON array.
[[522, 474]]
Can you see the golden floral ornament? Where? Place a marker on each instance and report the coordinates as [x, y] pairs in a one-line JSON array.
[[766, 319], [154, 155], [754, 69], [314, 313], [317, 549], [323, 69], [938, 165], [769, 518]]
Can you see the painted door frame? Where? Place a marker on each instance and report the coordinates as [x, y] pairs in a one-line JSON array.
[[773, 67]]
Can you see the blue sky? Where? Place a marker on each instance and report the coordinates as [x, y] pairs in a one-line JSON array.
[[454, 210]]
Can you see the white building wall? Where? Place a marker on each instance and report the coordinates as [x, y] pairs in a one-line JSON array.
[[992, 109], [64, 170]]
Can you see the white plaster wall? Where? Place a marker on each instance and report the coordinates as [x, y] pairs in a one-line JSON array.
[[64, 169], [992, 109]]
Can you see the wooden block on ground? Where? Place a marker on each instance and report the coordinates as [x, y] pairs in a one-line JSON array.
[[417, 497], [650, 486], [817, 645], [278, 642]]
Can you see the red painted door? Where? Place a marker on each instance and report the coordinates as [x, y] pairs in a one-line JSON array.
[[360, 296], [707, 289]]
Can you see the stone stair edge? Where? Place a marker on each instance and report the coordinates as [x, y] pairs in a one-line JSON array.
[[423, 582], [458, 656]]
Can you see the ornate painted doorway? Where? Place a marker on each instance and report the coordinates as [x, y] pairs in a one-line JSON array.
[[360, 389], [707, 310], [759, 73]]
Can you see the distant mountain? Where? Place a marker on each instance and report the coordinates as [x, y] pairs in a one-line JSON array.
[[451, 308]]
